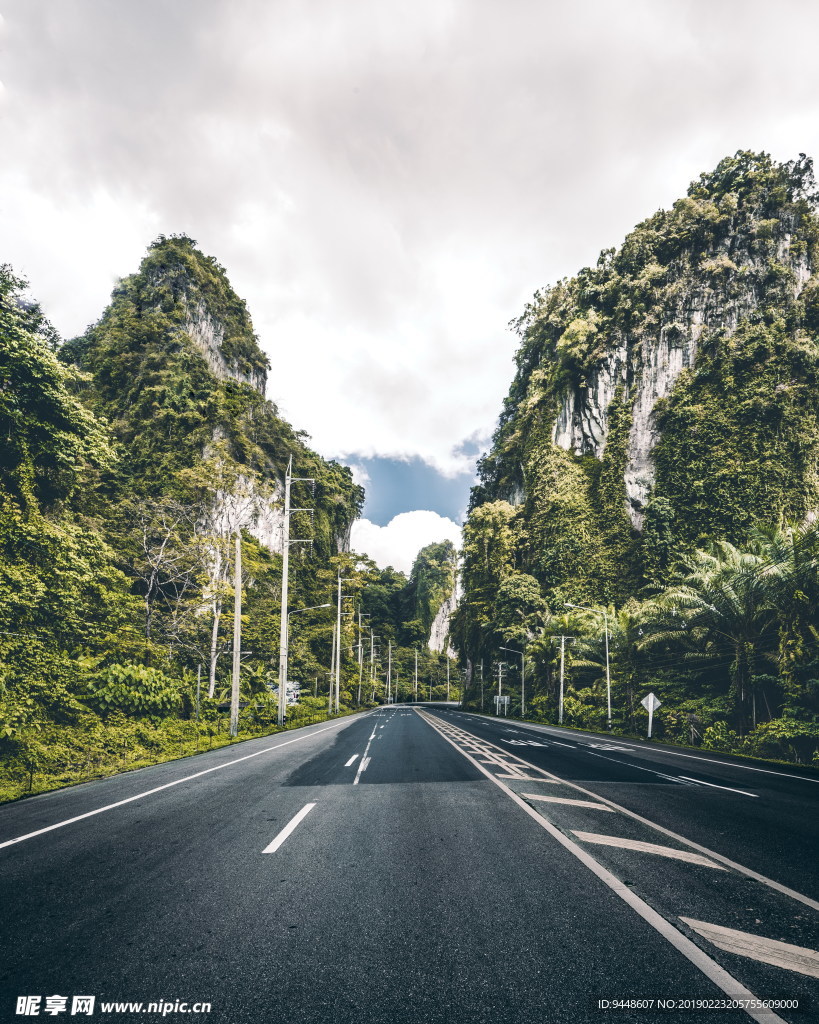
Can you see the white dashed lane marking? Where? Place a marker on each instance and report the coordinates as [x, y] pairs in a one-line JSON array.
[[286, 831]]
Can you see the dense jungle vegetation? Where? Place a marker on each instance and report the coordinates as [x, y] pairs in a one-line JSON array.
[[710, 586], [131, 458]]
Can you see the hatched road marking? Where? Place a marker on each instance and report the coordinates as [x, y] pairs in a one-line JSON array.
[[808, 901], [633, 844], [757, 947], [567, 800], [726, 982], [525, 778]]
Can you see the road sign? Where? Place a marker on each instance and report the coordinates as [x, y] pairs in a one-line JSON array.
[[502, 702], [651, 702]]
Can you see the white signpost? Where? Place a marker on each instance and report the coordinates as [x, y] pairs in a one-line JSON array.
[[501, 702], [651, 703]]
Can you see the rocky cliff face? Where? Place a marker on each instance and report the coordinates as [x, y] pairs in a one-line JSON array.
[[724, 285], [208, 334], [440, 630], [179, 372], [619, 365]]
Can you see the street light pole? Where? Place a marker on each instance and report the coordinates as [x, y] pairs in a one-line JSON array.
[[584, 607], [338, 644], [501, 666], [360, 653], [416, 675], [522, 676], [294, 611]]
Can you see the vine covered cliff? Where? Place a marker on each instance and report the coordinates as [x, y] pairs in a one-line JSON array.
[[669, 391], [176, 368]]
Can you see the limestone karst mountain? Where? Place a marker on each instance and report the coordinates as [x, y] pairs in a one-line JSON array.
[[176, 367], [670, 390]]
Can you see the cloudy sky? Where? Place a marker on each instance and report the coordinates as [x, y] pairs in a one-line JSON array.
[[386, 182]]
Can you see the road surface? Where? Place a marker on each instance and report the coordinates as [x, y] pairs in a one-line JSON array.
[[417, 865]]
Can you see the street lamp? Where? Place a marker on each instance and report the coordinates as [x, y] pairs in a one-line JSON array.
[[501, 665], [587, 608], [285, 654], [522, 677]]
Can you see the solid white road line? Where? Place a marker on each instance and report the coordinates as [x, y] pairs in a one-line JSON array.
[[288, 828], [757, 947], [710, 968], [639, 767], [713, 785], [633, 844], [566, 800], [690, 757], [748, 872], [168, 785], [347, 765]]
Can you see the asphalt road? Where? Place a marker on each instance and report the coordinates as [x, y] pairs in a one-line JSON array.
[[416, 866]]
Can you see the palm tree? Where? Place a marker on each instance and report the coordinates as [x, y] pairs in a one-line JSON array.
[[789, 577], [720, 608], [626, 629]]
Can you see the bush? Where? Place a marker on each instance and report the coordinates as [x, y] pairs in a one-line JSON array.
[[719, 737], [786, 738], [135, 690]]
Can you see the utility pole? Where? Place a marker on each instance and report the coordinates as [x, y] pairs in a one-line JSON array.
[[237, 639], [416, 675], [447, 679], [608, 671], [481, 684], [338, 646], [286, 542], [285, 581], [585, 607], [562, 661], [332, 674], [338, 629], [389, 671], [360, 655], [373, 638]]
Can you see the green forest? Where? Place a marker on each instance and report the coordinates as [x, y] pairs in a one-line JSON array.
[[697, 342], [646, 519], [132, 457]]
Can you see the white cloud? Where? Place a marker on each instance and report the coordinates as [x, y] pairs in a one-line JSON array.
[[360, 474], [386, 185], [398, 542]]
